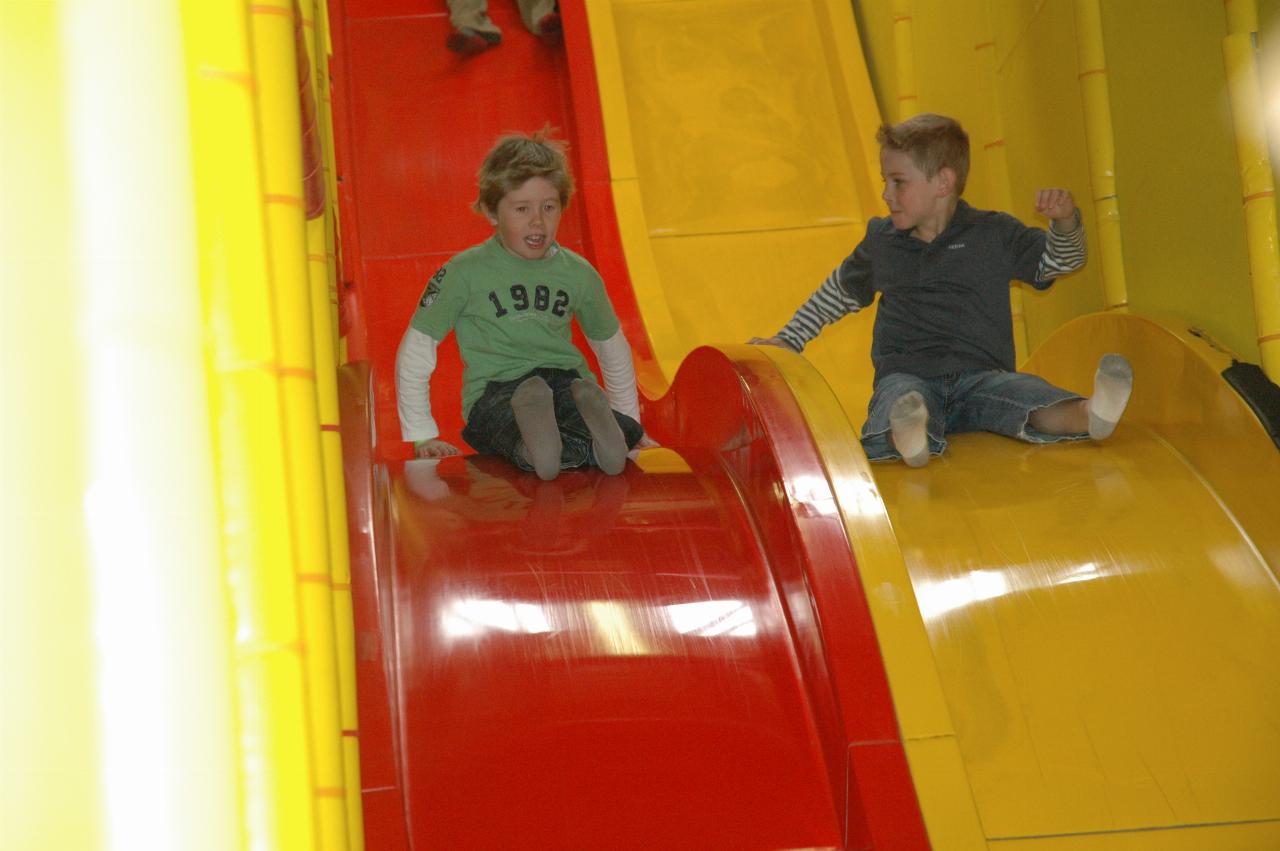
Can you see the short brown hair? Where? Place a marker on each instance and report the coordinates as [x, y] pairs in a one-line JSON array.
[[933, 142], [518, 157]]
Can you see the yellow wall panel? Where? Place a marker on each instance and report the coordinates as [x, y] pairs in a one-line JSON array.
[[727, 288], [745, 140], [1176, 170]]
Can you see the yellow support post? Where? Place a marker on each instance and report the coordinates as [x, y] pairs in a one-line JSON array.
[[904, 52], [324, 49], [1092, 61], [248, 428], [324, 333], [1257, 185], [993, 148], [275, 59]]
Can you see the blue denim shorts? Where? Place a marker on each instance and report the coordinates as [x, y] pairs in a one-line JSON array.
[[491, 424], [985, 400]]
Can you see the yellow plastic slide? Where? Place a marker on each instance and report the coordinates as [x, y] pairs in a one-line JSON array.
[[1083, 641]]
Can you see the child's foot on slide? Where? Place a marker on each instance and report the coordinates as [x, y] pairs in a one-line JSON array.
[[907, 419], [551, 30], [468, 42], [536, 418], [1111, 387], [607, 440]]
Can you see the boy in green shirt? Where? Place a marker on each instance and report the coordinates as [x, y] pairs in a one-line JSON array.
[[527, 393]]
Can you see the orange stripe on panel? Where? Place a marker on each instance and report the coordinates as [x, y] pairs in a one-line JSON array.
[[290, 200], [241, 78], [271, 10]]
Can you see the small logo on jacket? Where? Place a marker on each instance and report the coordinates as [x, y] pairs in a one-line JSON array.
[[953, 246]]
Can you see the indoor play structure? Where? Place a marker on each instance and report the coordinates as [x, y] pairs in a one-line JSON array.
[[238, 614]]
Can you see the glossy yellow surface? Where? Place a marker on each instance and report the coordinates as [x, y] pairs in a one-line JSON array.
[[1103, 631], [1083, 641]]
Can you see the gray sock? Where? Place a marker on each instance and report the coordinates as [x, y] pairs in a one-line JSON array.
[[607, 441], [907, 419], [536, 419], [1112, 384]]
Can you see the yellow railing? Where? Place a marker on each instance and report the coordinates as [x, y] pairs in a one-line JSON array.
[[323, 287], [1256, 183], [1100, 138], [991, 137], [250, 436], [276, 428]]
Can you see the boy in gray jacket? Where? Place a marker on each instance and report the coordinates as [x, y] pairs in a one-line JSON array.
[[942, 345]]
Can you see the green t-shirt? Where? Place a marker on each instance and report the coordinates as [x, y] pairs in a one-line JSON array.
[[512, 315]]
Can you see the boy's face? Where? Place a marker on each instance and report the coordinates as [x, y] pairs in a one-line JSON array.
[[527, 218], [911, 196]]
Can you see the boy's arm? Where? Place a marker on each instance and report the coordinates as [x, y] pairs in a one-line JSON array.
[[1065, 249], [829, 303], [415, 361], [619, 373]]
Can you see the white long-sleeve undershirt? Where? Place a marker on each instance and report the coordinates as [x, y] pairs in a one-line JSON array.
[[415, 361], [618, 372]]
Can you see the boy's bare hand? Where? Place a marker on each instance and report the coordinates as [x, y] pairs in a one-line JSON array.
[[435, 448], [770, 341], [1055, 204]]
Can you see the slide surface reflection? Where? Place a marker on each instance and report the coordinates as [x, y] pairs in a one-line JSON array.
[[598, 661]]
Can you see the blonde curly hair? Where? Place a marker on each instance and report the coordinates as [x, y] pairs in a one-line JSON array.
[[516, 158]]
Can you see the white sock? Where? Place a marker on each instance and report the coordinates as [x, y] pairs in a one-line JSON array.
[[1112, 385], [536, 418], [607, 440], [907, 419]]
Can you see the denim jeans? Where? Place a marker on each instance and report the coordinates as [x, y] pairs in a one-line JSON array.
[[983, 400], [491, 424]]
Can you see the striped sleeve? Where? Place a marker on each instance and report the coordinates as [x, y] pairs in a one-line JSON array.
[[825, 306], [1063, 252]]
